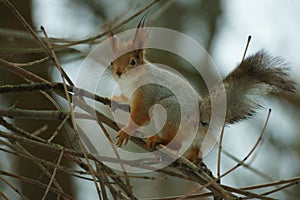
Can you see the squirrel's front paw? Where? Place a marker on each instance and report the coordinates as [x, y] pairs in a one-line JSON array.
[[122, 137]]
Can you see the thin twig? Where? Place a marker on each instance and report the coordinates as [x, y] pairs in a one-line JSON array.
[[295, 180], [58, 128], [219, 153], [246, 193], [53, 175], [60, 87], [39, 130], [246, 48], [35, 62], [2, 194], [280, 188], [41, 114], [247, 166]]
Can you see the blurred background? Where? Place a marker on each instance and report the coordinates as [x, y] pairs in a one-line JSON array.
[[221, 26]]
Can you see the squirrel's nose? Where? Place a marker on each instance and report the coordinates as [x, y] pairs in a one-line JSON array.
[[119, 73]]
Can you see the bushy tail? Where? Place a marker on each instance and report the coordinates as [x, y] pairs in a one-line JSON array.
[[257, 75]]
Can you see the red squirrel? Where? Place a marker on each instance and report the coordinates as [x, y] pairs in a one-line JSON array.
[[256, 75]]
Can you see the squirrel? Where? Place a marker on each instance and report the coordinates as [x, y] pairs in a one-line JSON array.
[[256, 75]]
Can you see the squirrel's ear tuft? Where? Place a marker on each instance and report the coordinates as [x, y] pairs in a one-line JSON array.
[[112, 41], [139, 39]]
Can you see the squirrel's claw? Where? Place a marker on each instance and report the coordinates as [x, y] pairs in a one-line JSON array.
[[122, 137], [153, 141]]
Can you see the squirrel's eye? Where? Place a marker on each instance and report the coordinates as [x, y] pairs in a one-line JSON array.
[[132, 61]]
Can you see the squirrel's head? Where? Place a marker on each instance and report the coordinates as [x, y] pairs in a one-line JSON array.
[[134, 49]]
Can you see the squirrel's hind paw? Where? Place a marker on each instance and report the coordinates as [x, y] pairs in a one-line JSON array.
[[155, 140]]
